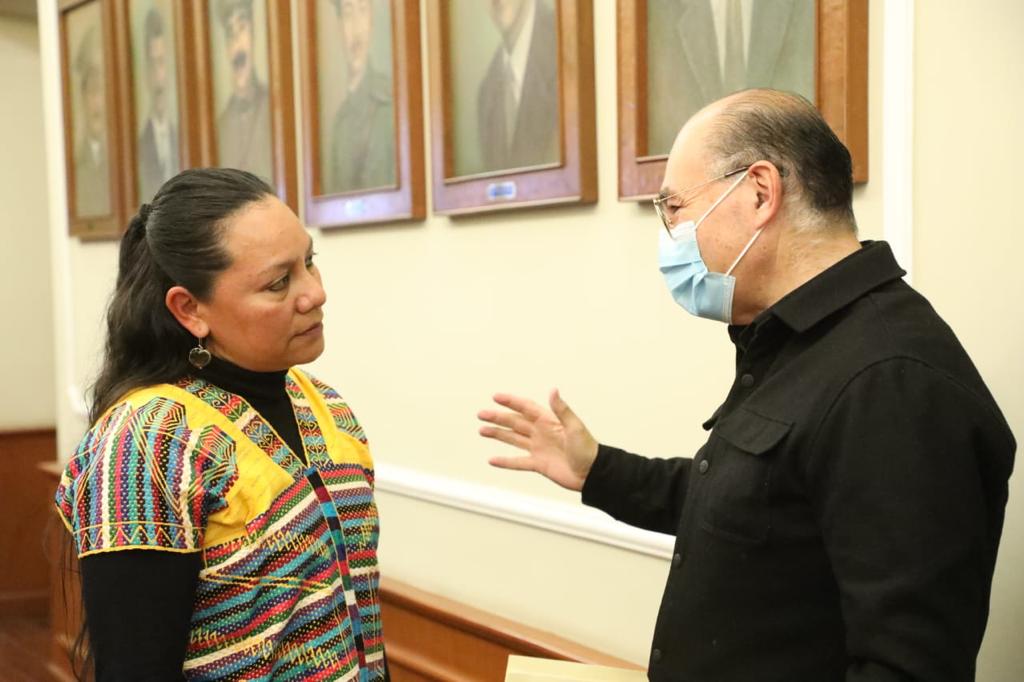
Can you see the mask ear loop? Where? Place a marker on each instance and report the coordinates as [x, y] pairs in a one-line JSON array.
[[721, 199], [744, 251]]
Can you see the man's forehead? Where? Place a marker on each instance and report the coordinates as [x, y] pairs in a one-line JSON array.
[[687, 161], [684, 168]]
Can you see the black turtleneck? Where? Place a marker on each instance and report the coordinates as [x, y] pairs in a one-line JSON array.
[[138, 602]]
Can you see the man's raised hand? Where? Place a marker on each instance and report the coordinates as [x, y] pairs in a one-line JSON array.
[[557, 444]]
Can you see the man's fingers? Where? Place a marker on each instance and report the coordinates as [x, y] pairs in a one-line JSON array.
[[510, 420], [517, 463], [505, 436], [523, 406]]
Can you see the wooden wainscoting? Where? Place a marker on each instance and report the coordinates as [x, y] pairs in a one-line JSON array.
[[26, 498], [434, 639], [65, 601], [428, 638]]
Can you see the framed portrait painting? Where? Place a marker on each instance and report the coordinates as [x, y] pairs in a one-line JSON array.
[[153, 43], [675, 56], [511, 104], [92, 149], [362, 111], [245, 106]]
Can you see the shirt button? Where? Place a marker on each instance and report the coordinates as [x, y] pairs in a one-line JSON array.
[[747, 380], [677, 559], [703, 466], [656, 655]]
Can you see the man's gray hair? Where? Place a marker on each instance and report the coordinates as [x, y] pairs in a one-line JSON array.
[[788, 131]]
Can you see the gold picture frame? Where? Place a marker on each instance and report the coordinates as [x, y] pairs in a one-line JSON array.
[[153, 44], [362, 131], [547, 150], [244, 90], [93, 150], [840, 76]]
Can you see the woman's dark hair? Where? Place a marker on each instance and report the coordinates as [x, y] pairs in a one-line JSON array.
[[175, 240]]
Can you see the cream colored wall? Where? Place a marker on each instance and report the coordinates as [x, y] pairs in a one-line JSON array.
[[26, 343], [523, 302], [425, 321], [968, 239]]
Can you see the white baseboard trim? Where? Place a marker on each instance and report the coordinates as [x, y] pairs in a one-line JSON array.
[[574, 520], [569, 519]]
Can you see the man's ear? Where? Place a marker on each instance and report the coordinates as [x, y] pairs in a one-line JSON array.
[[185, 308], [767, 183]]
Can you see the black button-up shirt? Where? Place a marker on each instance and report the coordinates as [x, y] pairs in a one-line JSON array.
[[842, 520]]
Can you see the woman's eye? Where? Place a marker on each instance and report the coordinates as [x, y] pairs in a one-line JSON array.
[[309, 260], [279, 285]]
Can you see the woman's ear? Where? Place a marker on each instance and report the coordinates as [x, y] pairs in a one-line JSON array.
[[185, 308]]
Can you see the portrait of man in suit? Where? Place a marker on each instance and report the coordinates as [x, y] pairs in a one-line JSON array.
[[91, 154], [361, 155], [701, 50], [158, 142], [517, 101], [243, 123]]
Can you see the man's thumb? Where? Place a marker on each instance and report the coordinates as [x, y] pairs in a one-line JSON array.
[[560, 407]]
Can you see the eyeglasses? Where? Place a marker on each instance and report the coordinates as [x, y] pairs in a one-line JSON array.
[[663, 211]]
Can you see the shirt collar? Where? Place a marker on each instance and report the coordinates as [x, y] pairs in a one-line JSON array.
[[854, 276], [520, 53], [247, 383], [160, 126]]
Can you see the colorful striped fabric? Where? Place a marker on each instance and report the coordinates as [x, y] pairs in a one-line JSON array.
[[289, 587]]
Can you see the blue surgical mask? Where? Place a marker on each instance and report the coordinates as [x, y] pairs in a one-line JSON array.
[[700, 292]]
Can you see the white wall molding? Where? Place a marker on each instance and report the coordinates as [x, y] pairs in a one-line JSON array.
[[574, 520], [897, 148], [77, 402], [60, 243]]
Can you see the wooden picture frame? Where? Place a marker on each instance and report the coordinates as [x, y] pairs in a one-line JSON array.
[[361, 165], [841, 48], [160, 30], [93, 151], [570, 174], [244, 89]]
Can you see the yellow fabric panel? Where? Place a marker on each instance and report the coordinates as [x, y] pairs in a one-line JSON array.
[[259, 479], [342, 447]]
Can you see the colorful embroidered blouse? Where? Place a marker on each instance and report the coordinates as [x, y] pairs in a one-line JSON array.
[[288, 589]]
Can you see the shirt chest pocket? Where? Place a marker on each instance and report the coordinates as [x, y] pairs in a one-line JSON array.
[[739, 468]]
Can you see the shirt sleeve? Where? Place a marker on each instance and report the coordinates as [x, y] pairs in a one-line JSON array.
[[138, 608], [909, 480], [643, 492], [142, 478]]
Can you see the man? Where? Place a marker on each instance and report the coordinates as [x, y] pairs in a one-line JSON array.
[[92, 165], [362, 154], [517, 103], [702, 50], [842, 520], [158, 143], [243, 126]]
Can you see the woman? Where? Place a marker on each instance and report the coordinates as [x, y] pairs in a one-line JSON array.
[[222, 501]]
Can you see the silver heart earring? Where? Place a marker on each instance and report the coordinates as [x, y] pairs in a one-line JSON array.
[[199, 357]]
